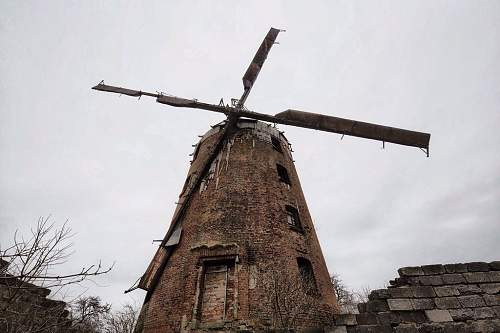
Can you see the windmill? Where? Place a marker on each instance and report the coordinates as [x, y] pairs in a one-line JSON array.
[[242, 216]]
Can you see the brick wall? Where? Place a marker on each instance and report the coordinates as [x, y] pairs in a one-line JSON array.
[[238, 214]]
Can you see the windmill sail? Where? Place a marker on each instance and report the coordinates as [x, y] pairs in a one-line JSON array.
[[354, 128], [257, 63]]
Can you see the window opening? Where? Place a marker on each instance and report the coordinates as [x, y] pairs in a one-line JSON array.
[[292, 217], [307, 276], [283, 174], [276, 143], [218, 292]]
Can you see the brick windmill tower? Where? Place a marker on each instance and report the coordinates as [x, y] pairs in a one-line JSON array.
[[241, 251]]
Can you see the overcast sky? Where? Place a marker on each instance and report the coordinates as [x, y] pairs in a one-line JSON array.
[[114, 166]]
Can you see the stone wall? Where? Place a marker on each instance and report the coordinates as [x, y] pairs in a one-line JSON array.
[[432, 298]]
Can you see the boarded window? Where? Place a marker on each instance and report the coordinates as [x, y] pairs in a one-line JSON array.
[[292, 217], [307, 276], [276, 143], [217, 292], [283, 174]]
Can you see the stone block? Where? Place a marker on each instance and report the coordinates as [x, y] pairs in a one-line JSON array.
[[406, 328], [491, 300], [346, 319], [400, 304], [338, 329], [416, 317], [478, 267], [483, 313], [376, 306], [423, 292], [468, 289], [476, 277], [472, 301], [410, 271], [490, 288], [496, 309], [453, 278], [373, 329], [401, 292], [388, 318], [455, 328], [438, 316], [494, 276], [431, 280], [361, 307], [433, 269], [461, 314], [423, 303], [367, 319], [483, 326], [494, 265], [455, 268], [379, 294], [447, 303], [446, 291]]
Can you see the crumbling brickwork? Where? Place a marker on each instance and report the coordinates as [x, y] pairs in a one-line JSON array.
[[432, 298], [238, 217]]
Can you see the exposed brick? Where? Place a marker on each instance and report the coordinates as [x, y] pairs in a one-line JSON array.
[[478, 267], [446, 291], [433, 269], [411, 271], [400, 304], [424, 291], [438, 316], [455, 268], [476, 277], [453, 278], [472, 301]]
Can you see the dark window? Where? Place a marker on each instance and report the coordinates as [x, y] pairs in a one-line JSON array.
[[307, 276], [276, 143], [283, 174], [292, 217]]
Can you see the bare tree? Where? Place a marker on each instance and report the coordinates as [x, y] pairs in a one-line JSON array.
[[348, 299], [27, 270], [292, 296], [88, 314], [122, 321]]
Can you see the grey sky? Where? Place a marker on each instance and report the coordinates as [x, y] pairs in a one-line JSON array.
[[114, 166]]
